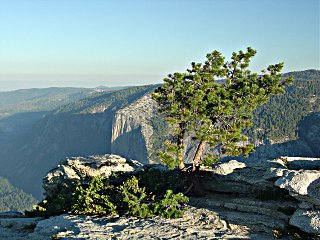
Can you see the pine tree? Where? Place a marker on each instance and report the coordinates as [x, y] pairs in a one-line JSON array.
[[215, 113]]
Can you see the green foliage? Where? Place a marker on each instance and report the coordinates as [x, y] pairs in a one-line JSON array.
[[215, 114], [38, 210], [60, 202], [158, 181], [101, 197], [170, 157], [160, 133], [93, 199], [13, 198], [210, 159], [57, 203], [169, 206], [137, 201]]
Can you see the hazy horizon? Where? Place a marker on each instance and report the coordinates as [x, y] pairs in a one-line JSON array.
[[84, 83], [118, 43], [11, 83]]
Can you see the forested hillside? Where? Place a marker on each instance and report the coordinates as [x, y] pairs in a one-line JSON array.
[[14, 199], [277, 121]]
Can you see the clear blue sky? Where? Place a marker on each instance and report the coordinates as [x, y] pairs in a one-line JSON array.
[[100, 42]]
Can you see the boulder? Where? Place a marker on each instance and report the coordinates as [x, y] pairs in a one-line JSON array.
[[307, 221], [238, 177], [82, 169], [304, 185], [228, 167]]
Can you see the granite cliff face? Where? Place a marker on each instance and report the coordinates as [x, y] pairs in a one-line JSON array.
[[132, 130], [136, 133], [78, 129]]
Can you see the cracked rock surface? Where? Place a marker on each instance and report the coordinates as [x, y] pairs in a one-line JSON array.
[[197, 223]]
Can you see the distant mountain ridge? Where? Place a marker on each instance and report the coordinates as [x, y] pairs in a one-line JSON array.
[[310, 74], [44, 99], [38, 99]]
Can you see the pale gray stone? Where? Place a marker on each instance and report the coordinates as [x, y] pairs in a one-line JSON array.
[[307, 220], [228, 167], [303, 185], [82, 169], [197, 223], [131, 128]]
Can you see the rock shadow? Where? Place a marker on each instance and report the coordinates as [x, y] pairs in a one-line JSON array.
[[131, 145]]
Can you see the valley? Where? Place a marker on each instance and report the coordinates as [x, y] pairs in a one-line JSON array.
[[125, 122]]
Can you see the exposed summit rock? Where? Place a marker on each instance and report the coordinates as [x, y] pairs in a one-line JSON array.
[[265, 195], [197, 223], [307, 220], [229, 167], [241, 201], [80, 169], [303, 185]]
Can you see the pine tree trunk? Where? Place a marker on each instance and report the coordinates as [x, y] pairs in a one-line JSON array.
[[197, 156], [180, 144]]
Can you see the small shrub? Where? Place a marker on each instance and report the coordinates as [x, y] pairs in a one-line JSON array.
[[59, 202], [93, 199], [121, 196], [170, 205], [136, 199], [285, 161], [100, 197], [39, 210], [143, 205], [157, 181]]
